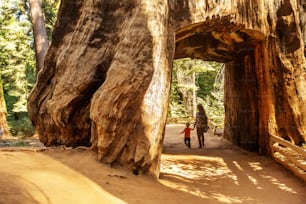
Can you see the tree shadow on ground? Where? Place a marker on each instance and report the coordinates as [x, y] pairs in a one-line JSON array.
[[223, 173], [17, 190]]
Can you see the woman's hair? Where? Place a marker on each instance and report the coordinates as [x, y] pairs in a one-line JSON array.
[[201, 109]]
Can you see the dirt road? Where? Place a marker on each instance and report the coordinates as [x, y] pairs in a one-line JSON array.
[[219, 173]]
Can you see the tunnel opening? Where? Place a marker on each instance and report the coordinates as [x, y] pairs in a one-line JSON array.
[[225, 42], [196, 81]]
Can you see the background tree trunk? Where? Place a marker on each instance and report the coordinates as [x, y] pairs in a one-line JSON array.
[[107, 74], [4, 131], [39, 32]]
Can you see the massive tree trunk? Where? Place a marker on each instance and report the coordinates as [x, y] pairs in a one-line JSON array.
[[106, 81], [39, 32], [106, 77], [262, 45]]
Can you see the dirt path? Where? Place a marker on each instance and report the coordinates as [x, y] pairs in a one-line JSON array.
[[220, 173]]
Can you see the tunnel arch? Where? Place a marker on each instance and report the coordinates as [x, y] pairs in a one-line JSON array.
[[216, 39], [220, 40]]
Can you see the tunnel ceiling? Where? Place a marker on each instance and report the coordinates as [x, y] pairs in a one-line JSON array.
[[216, 39]]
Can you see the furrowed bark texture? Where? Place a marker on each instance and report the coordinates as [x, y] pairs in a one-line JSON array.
[[106, 81], [106, 77]]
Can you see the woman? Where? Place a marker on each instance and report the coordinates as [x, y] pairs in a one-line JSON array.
[[201, 124]]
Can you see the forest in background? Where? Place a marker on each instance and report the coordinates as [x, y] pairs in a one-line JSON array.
[[193, 81], [196, 81], [17, 59]]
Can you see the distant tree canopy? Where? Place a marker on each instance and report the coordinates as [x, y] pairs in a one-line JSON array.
[[197, 81], [17, 57]]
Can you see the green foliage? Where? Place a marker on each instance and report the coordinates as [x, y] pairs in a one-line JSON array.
[[17, 63], [197, 81], [176, 107], [186, 72], [20, 125], [17, 58], [50, 8], [212, 92], [17, 66], [206, 79]]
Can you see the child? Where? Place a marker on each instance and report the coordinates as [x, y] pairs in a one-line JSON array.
[[186, 132]]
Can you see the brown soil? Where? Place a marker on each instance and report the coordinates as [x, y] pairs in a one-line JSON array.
[[219, 173]]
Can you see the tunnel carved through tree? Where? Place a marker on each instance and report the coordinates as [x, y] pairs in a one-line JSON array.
[[106, 77]]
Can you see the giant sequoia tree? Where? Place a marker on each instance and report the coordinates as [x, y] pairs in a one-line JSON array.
[[106, 76]]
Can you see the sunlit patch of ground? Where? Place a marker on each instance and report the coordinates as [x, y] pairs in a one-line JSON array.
[[179, 171], [216, 174], [194, 167]]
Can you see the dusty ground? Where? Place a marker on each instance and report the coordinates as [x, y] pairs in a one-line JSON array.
[[220, 173]]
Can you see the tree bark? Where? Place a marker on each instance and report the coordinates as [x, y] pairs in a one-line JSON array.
[[4, 131], [265, 65], [107, 86], [39, 32], [106, 78]]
